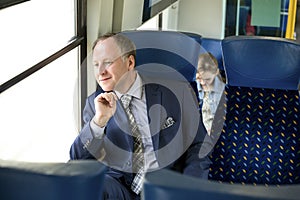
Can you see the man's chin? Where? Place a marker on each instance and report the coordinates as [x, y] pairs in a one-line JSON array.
[[106, 89]]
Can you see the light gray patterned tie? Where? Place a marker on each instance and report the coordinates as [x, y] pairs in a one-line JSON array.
[[138, 155], [206, 112]]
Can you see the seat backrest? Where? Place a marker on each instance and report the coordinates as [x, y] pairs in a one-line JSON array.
[[175, 50], [260, 140], [170, 185], [76, 180], [262, 62]]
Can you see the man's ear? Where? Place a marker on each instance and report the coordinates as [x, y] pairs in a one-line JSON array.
[[131, 62]]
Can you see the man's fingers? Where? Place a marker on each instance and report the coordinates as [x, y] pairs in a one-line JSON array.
[[107, 98]]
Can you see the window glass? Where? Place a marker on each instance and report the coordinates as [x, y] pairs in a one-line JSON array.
[[256, 17], [31, 31], [39, 114], [297, 26]]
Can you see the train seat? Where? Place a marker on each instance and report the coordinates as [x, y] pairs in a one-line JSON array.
[[260, 139], [170, 185], [168, 54], [195, 36], [76, 180]]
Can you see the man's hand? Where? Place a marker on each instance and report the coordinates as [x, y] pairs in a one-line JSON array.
[[105, 105]]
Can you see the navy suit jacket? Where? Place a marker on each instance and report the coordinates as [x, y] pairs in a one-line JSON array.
[[176, 147]]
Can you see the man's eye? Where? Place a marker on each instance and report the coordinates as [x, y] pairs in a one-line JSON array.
[[96, 65], [108, 63]]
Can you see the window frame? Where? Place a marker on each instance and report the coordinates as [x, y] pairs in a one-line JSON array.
[[8, 3]]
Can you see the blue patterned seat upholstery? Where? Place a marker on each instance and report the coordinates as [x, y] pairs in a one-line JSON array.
[[260, 139]]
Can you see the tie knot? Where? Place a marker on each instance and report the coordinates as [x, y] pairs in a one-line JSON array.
[[126, 99]]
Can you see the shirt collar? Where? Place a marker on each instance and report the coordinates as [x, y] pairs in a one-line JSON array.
[[136, 90], [219, 84]]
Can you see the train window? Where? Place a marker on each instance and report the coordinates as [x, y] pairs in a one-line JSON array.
[[32, 31], [38, 122], [151, 24], [297, 26], [257, 17], [8, 3], [39, 114], [153, 7], [164, 20]]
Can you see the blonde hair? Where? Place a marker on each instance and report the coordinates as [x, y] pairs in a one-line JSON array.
[[126, 46], [207, 62]]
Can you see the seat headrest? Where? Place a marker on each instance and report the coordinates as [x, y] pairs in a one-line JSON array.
[[263, 62], [177, 51]]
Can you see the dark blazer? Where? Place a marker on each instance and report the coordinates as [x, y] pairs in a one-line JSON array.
[[175, 125]]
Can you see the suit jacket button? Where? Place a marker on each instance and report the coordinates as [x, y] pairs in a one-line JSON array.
[[127, 182], [128, 163]]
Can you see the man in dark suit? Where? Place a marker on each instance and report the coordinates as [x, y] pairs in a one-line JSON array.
[[166, 119]]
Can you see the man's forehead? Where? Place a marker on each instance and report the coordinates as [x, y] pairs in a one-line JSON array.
[[108, 42], [106, 49]]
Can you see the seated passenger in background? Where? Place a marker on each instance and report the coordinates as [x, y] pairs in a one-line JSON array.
[[154, 130], [250, 30], [210, 86]]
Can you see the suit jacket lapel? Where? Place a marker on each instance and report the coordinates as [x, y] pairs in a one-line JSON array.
[[154, 98]]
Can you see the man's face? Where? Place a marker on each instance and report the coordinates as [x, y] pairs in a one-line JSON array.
[[110, 68]]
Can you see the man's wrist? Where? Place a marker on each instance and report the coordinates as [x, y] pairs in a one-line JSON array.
[[100, 123], [97, 131]]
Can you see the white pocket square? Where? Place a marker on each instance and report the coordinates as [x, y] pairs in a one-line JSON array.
[[169, 122]]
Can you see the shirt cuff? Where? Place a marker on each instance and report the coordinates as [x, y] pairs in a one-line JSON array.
[[97, 131]]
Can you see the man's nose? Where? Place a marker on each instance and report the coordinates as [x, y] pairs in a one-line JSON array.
[[100, 69]]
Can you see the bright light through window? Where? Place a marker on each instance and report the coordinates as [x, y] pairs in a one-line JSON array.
[[31, 31], [38, 115]]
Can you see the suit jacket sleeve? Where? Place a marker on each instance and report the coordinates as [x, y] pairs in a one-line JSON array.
[[86, 146], [196, 163]]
